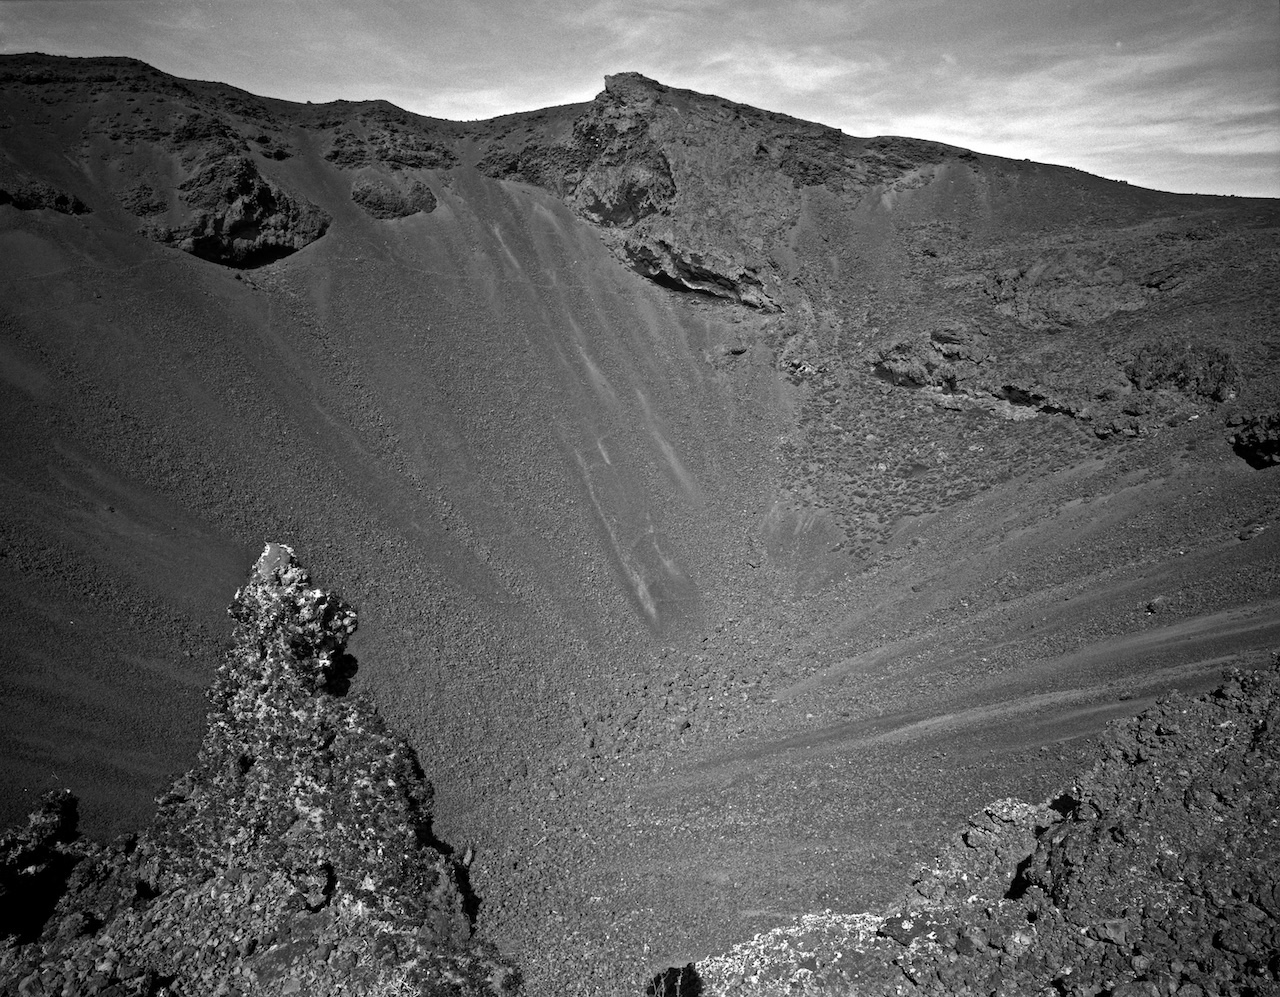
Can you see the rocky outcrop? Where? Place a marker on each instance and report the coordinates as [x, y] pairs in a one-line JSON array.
[[961, 366], [383, 200], [614, 169], [28, 193], [296, 857], [35, 862], [238, 217], [715, 274], [699, 214], [1256, 438], [223, 209], [1207, 373], [1154, 874], [381, 133], [1057, 292], [958, 366], [952, 357]]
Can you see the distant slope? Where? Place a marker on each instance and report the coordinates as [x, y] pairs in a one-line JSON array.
[[645, 431]]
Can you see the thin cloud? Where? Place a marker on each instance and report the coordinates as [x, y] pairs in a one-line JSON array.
[[1171, 112], [1178, 94]]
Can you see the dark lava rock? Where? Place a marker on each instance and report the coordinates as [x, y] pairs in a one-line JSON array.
[[240, 218], [296, 857], [383, 201], [143, 200], [688, 216], [28, 193], [1206, 372], [1057, 291], [34, 865], [1256, 439], [1158, 872], [383, 133]]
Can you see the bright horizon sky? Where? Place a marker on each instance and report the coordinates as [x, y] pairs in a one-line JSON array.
[[1180, 95]]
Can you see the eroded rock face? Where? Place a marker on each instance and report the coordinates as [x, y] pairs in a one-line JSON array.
[[1154, 874], [957, 364], [223, 208], [380, 133], [699, 193], [1164, 383], [297, 856], [1055, 293], [696, 193], [950, 357], [382, 200], [28, 193], [704, 214], [238, 217], [1256, 438], [35, 862], [716, 274]]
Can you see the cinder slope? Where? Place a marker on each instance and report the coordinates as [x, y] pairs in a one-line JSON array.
[[521, 450]]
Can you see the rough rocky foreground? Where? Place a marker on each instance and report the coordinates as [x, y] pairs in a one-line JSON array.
[[1157, 873], [296, 857]]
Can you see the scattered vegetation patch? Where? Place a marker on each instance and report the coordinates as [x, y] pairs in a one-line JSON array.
[[1202, 371], [239, 217]]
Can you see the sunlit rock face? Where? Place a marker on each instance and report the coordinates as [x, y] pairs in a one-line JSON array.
[[297, 856]]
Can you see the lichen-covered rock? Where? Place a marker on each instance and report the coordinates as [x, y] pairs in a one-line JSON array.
[[1157, 873], [296, 857]]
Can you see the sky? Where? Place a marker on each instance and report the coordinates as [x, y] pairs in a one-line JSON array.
[[1179, 95]]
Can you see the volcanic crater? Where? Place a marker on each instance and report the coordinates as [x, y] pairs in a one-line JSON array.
[[734, 508]]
